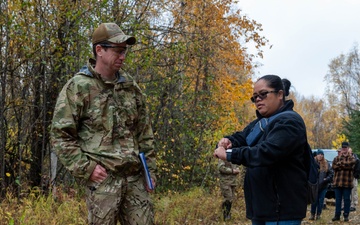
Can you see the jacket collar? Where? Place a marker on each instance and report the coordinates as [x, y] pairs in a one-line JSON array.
[[288, 105], [89, 70]]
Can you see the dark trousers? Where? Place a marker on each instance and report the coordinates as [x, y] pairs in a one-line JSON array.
[[340, 194], [316, 207]]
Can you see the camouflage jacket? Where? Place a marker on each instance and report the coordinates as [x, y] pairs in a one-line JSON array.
[[227, 177], [101, 122]]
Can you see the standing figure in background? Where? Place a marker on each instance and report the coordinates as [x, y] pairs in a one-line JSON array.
[[100, 125], [343, 166], [354, 192], [325, 177], [228, 184]]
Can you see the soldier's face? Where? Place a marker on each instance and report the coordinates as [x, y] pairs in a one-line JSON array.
[[113, 56]]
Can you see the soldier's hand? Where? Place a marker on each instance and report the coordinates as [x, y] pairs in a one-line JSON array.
[[99, 174], [236, 171], [153, 184]]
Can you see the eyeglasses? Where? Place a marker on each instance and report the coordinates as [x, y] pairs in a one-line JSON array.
[[261, 95], [121, 51]]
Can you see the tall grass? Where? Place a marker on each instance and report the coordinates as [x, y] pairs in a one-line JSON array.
[[197, 207], [40, 210], [193, 207]]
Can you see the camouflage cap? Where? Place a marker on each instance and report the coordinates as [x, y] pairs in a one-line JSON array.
[[111, 32]]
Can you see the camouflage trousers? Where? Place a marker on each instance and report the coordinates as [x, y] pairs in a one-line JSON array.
[[119, 199], [228, 192], [354, 194]]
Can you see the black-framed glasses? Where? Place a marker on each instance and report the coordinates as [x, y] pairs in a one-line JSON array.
[[119, 49], [261, 95]]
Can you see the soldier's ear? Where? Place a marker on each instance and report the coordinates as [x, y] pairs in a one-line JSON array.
[[99, 50]]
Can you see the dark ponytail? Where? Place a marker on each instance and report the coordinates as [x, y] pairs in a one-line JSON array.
[[286, 84]]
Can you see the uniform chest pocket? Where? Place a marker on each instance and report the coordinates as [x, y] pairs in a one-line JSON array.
[[126, 103], [100, 111]]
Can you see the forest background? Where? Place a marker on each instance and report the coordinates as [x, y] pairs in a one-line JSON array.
[[190, 59]]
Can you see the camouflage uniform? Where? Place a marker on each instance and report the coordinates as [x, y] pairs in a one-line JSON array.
[[228, 180], [106, 123], [228, 184]]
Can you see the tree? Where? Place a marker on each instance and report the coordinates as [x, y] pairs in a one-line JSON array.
[[344, 90], [190, 60], [352, 130], [4, 43], [344, 80], [321, 121], [38, 45], [201, 88]]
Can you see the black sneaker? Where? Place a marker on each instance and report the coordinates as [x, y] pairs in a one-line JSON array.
[[336, 218], [346, 219]]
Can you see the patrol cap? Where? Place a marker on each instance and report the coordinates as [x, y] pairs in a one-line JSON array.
[[345, 144], [111, 32]]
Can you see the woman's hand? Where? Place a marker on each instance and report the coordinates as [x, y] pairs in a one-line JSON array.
[[225, 143], [220, 153]]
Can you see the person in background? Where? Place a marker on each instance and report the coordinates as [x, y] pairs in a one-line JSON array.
[[354, 192], [276, 160], [228, 184], [342, 204], [99, 127], [343, 166], [325, 177]]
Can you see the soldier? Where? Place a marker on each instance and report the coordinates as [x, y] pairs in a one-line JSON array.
[[228, 184], [99, 127]]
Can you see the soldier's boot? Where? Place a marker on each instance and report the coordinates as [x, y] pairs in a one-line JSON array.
[[226, 210]]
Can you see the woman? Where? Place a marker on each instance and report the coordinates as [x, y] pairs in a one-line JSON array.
[[276, 160], [325, 177]]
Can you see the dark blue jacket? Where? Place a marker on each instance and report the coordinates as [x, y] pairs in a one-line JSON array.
[[276, 177]]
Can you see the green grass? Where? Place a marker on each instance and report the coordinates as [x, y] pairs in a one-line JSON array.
[[195, 207], [42, 210]]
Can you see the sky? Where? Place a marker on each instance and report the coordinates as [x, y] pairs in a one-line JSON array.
[[305, 36]]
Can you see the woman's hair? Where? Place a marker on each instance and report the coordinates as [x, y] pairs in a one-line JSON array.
[[277, 83]]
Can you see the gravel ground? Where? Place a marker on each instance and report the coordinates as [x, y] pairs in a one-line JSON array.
[[328, 214]]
